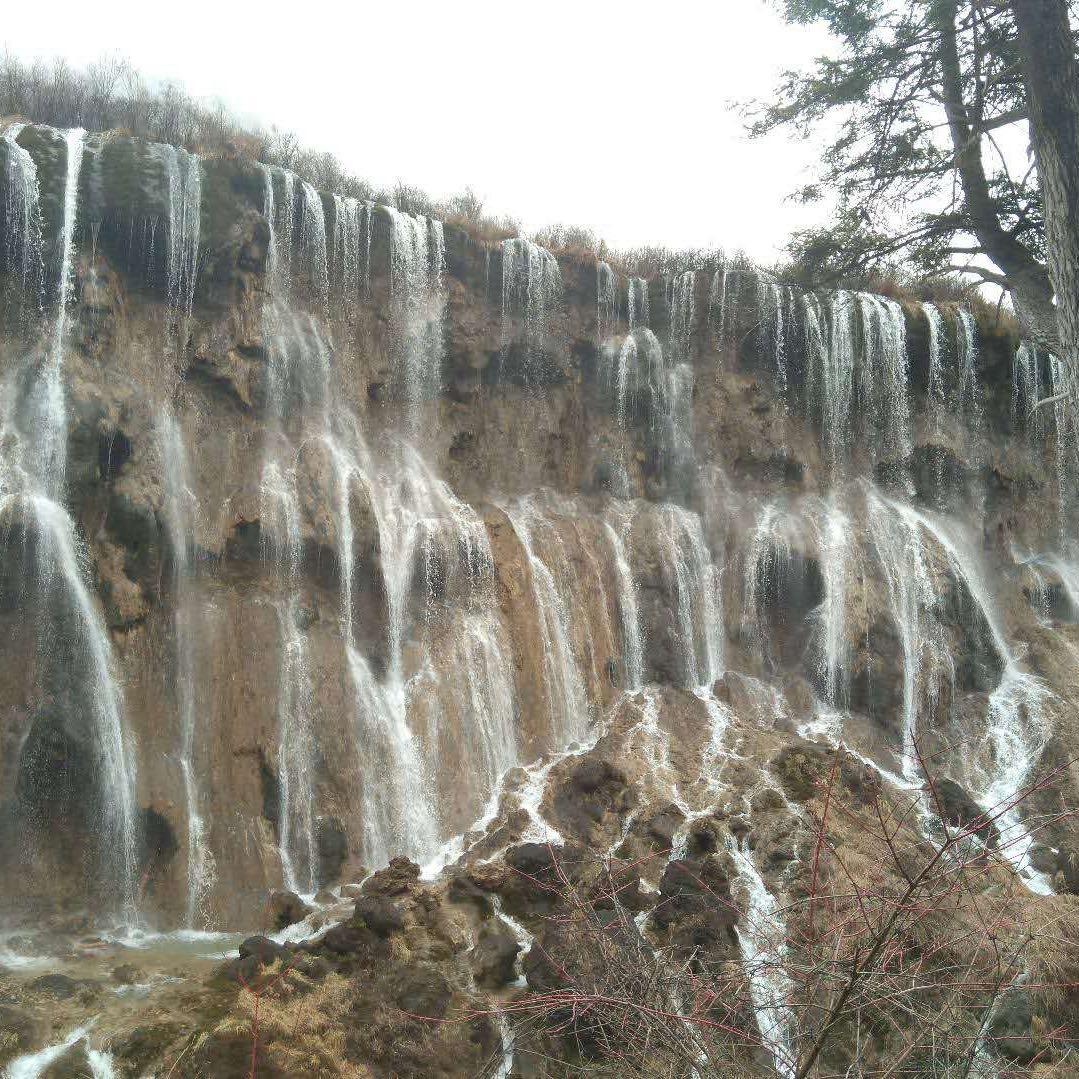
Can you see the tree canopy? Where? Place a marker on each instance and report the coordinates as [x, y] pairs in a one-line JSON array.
[[924, 108]]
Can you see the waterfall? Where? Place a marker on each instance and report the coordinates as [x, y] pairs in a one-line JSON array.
[[830, 371], [834, 530], [632, 642], [425, 534], [1016, 725], [51, 425], [635, 374], [967, 356], [35, 1065], [897, 541], [717, 302], [681, 313], [606, 300], [314, 257], [1030, 373], [773, 323], [937, 393], [417, 261], [997, 766], [693, 582], [567, 701], [531, 290], [351, 256], [762, 939], [298, 367], [279, 514], [22, 243], [281, 220], [184, 172], [637, 302], [31, 486], [678, 428], [179, 509], [885, 397]]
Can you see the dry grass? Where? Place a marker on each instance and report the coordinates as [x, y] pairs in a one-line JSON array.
[[303, 1025]]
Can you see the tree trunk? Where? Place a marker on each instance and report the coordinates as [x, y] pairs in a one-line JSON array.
[[1026, 277], [1051, 75]]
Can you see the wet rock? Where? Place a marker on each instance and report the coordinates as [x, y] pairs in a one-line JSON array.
[[59, 986], [144, 1045], [425, 993], [957, 807], [695, 909], [706, 836], [125, 974], [398, 878], [1068, 873], [589, 803], [284, 909], [494, 956], [381, 914], [331, 842], [345, 938], [265, 950], [19, 1031], [74, 1063], [1011, 1028], [314, 967], [464, 889]]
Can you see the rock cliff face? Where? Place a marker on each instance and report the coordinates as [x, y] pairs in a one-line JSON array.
[[331, 536]]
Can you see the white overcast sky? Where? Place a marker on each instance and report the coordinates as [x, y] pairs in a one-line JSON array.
[[613, 115]]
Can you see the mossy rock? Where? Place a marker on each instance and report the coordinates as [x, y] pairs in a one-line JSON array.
[[800, 768], [123, 176]]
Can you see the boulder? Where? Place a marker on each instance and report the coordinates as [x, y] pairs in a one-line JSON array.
[[284, 909], [265, 950], [958, 808], [381, 914], [494, 956], [1011, 1028], [19, 1031]]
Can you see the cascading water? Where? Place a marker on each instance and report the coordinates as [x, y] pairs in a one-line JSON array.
[[35, 1065], [179, 510], [418, 518], [637, 303], [628, 608], [51, 426], [830, 370], [279, 514], [884, 395], [417, 260], [997, 766], [22, 241], [350, 254], [694, 583], [937, 392], [681, 314], [32, 476], [297, 374], [280, 216], [606, 300], [762, 939], [567, 700], [967, 357], [312, 249], [834, 529], [184, 173], [531, 291]]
